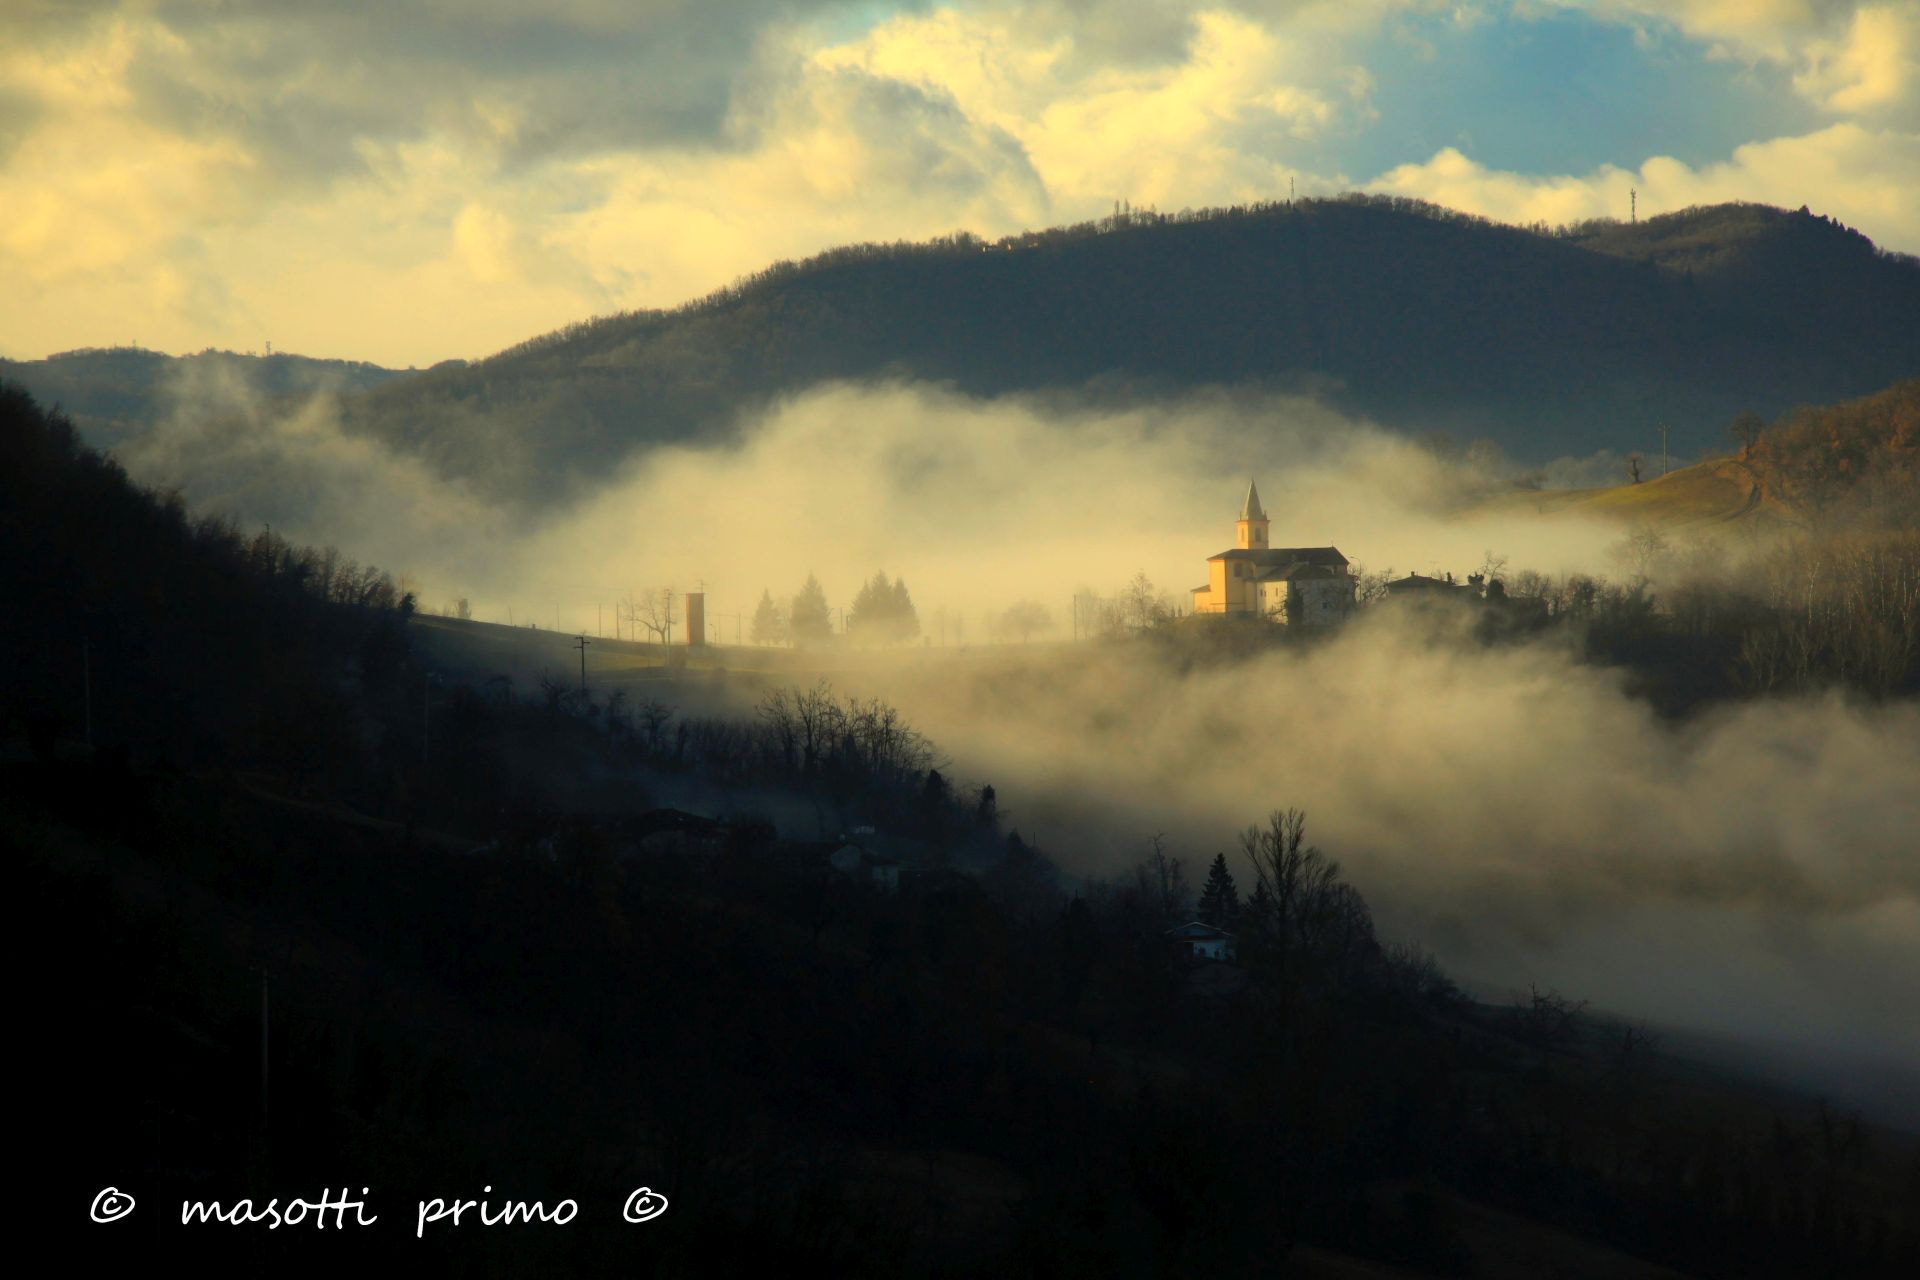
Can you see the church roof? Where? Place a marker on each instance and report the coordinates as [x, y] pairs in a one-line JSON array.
[[1196, 931], [1295, 570], [1250, 509], [1281, 557]]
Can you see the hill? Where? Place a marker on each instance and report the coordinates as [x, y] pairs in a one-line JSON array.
[[1550, 342], [313, 916], [110, 393], [1824, 467]]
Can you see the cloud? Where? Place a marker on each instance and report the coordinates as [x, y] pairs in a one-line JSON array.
[[508, 169], [1207, 125], [1845, 56], [1867, 178], [1748, 873], [455, 177], [1874, 67]]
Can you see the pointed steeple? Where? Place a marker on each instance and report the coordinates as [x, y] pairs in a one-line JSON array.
[[1250, 510], [1252, 525]]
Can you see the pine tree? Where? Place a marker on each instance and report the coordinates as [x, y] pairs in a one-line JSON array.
[[869, 616], [1219, 900], [769, 624], [808, 621], [883, 613], [906, 620]]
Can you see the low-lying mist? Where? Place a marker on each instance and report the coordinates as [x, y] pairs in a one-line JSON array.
[[976, 503], [1751, 872]]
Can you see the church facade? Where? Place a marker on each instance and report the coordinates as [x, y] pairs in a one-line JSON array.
[[1298, 586]]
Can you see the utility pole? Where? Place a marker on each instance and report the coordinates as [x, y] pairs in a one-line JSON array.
[[1663, 448], [1633, 204], [581, 642]]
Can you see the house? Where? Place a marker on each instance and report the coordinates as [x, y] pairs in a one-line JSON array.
[[1297, 586], [1500, 609], [677, 831], [1201, 941], [1419, 586], [863, 867]]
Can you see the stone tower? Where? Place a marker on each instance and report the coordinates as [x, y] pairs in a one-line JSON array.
[[1252, 526]]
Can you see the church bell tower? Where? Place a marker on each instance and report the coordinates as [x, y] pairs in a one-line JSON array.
[[1252, 526]]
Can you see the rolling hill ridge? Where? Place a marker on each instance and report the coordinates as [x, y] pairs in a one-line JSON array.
[[1550, 342]]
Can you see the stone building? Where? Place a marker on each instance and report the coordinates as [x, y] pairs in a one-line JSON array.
[[1298, 586]]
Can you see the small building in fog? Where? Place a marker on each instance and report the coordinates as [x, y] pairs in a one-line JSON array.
[[1201, 941], [1297, 586]]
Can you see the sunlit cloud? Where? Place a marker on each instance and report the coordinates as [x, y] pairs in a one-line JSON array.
[[458, 177], [1845, 56], [1868, 179]]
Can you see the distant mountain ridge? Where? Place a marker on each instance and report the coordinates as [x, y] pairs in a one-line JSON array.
[[113, 392], [1550, 341]]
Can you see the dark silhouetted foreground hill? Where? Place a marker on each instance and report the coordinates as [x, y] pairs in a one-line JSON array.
[[171, 638], [1551, 342]]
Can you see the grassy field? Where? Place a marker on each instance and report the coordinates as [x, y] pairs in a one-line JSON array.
[[1719, 491]]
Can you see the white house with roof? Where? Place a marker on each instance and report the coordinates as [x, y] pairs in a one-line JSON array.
[[1202, 941]]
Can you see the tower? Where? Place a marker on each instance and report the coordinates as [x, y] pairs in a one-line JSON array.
[[1252, 527]]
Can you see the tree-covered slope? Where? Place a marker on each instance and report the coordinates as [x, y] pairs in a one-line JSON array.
[[110, 393], [1549, 341]]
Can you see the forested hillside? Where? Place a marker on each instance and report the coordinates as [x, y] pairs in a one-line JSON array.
[[1550, 341], [179, 640], [112, 392]]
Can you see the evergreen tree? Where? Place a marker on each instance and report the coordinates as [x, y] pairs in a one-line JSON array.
[[769, 624], [808, 621], [883, 613], [1219, 900], [869, 616], [906, 620]]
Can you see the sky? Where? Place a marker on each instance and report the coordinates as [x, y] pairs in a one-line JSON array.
[[411, 182]]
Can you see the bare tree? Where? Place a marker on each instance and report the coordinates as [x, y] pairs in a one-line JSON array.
[[1023, 620], [1162, 880], [1140, 603], [1370, 586], [653, 612], [1643, 551], [654, 715]]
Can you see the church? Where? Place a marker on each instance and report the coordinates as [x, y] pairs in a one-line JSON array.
[[1298, 586]]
